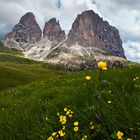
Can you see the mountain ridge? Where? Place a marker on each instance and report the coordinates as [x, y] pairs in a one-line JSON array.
[[90, 36]]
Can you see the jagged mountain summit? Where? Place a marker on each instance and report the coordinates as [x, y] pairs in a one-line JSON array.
[[89, 30], [90, 37], [26, 31], [52, 36], [53, 31]]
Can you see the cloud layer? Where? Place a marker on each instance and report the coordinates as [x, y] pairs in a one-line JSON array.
[[123, 14]]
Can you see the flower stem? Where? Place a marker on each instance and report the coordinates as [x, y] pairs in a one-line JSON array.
[[100, 75]]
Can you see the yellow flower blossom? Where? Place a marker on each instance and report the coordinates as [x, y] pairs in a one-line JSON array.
[[76, 129], [92, 126], [134, 79], [68, 112], [119, 134], [46, 118], [137, 78], [50, 138], [84, 138], [88, 78], [58, 114], [109, 102], [61, 133], [102, 65], [65, 109], [70, 115], [62, 119], [91, 123], [131, 129], [54, 133], [76, 123], [64, 127], [129, 139]]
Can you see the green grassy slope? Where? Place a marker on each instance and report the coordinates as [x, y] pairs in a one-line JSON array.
[[32, 94], [28, 110]]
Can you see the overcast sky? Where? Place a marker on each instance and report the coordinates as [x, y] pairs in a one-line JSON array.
[[123, 14]]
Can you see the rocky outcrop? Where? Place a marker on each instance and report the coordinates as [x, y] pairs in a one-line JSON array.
[[89, 30], [26, 31], [53, 31]]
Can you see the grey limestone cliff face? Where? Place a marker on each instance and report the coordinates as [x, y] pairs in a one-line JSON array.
[[53, 31], [26, 31], [90, 30]]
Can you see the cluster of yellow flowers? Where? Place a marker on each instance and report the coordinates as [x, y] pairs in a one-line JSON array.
[[102, 65], [76, 128], [68, 112], [84, 137], [63, 120], [136, 78]]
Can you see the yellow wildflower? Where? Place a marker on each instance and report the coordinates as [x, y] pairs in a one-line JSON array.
[[65, 109], [92, 126], [58, 114], [131, 129], [50, 138], [76, 123], [88, 78], [61, 133], [68, 112], [64, 127], [91, 123], [119, 134], [129, 139], [84, 138], [62, 119], [110, 91], [109, 102], [70, 115], [102, 65], [137, 78], [46, 118], [54, 133], [76, 129], [134, 79]]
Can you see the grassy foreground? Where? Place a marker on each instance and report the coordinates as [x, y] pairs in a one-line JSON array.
[[40, 103]]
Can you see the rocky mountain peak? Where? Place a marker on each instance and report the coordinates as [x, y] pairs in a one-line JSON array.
[[53, 30], [89, 30], [28, 19], [26, 31]]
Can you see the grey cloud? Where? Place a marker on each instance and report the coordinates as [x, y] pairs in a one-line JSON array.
[[132, 50], [132, 4]]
